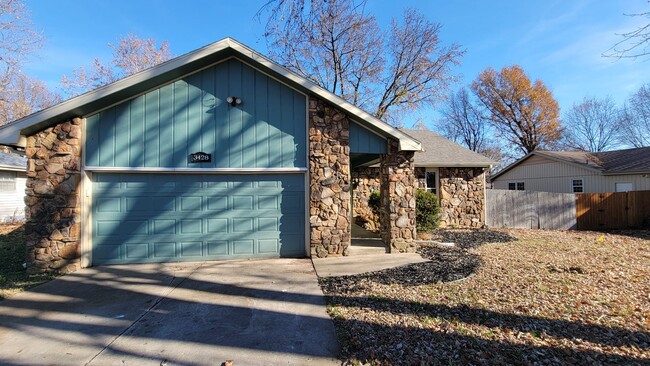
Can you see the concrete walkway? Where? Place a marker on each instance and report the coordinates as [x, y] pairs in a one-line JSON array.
[[357, 264], [255, 312]]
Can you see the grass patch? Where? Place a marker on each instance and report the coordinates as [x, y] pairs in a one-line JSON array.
[[13, 278]]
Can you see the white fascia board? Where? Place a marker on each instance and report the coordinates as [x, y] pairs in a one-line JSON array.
[[12, 168]]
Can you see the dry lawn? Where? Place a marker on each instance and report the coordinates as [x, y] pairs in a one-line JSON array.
[[502, 297]]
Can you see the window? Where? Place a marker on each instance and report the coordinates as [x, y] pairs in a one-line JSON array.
[[518, 186], [577, 186], [623, 186], [432, 181], [7, 181]]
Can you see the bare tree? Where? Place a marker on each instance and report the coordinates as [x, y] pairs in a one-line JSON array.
[[18, 42], [27, 96], [340, 47], [634, 44], [333, 43], [463, 121], [130, 55], [592, 125], [635, 129]]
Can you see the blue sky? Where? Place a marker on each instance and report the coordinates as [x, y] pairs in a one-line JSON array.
[[559, 42]]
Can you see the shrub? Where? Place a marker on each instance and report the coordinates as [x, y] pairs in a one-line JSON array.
[[427, 210], [373, 202]]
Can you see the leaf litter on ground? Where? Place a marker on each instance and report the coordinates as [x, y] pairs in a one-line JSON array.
[[506, 296]]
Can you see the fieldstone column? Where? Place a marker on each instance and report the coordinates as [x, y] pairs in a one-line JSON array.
[[398, 184], [52, 199], [462, 197], [329, 186]]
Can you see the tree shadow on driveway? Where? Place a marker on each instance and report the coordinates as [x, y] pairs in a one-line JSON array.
[[197, 316]]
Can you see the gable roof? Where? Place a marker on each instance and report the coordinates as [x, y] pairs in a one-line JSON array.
[[13, 134], [616, 162], [441, 152], [12, 162]]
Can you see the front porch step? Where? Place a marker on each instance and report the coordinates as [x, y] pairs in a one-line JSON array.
[[367, 246]]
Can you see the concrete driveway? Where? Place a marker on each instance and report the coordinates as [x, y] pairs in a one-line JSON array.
[[254, 312]]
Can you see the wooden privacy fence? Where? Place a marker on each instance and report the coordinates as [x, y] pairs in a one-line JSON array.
[[530, 210], [614, 210], [583, 211]]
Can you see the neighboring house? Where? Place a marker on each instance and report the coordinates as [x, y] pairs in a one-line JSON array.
[[578, 172], [12, 187], [217, 154], [453, 172]]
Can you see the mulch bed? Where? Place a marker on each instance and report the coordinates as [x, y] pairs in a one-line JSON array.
[[502, 297]]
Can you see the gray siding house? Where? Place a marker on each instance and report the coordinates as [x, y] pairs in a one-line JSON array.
[[220, 153], [578, 172], [12, 187]]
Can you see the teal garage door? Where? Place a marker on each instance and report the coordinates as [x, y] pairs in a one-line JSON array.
[[140, 218]]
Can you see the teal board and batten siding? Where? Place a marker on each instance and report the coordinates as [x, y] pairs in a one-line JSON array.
[[139, 218], [152, 211], [164, 126], [364, 141]]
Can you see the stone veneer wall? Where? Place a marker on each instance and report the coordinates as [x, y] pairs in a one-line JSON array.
[[462, 197], [52, 199], [329, 186], [365, 182], [398, 184]]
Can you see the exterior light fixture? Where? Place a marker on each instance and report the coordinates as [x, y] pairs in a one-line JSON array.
[[233, 101]]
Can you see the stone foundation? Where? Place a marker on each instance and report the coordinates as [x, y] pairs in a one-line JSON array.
[[329, 186], [365, 182], [398, 183], [52, 199]]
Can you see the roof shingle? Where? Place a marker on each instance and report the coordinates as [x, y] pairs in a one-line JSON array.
[[441, 152]]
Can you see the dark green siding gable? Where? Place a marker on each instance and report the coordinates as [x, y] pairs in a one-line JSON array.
[[363, 141], [161, 128]]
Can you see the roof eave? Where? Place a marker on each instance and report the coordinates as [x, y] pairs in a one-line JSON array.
[[631, 172], [91, 101], [406, 142], [550, 157], [13, 168], [456, 165]]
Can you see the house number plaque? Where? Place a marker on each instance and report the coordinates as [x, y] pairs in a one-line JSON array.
[[200, 157]]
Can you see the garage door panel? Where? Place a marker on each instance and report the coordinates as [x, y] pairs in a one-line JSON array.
[[112, 204], [137, 251], [121, 227], [157, 218], [164, 226], [242, 202], [191, 249], [164, 250], [268, 245], [243, 247], [218, 248]]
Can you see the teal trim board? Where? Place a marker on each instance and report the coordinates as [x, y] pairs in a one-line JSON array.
[[163, 127], [142, 218]]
